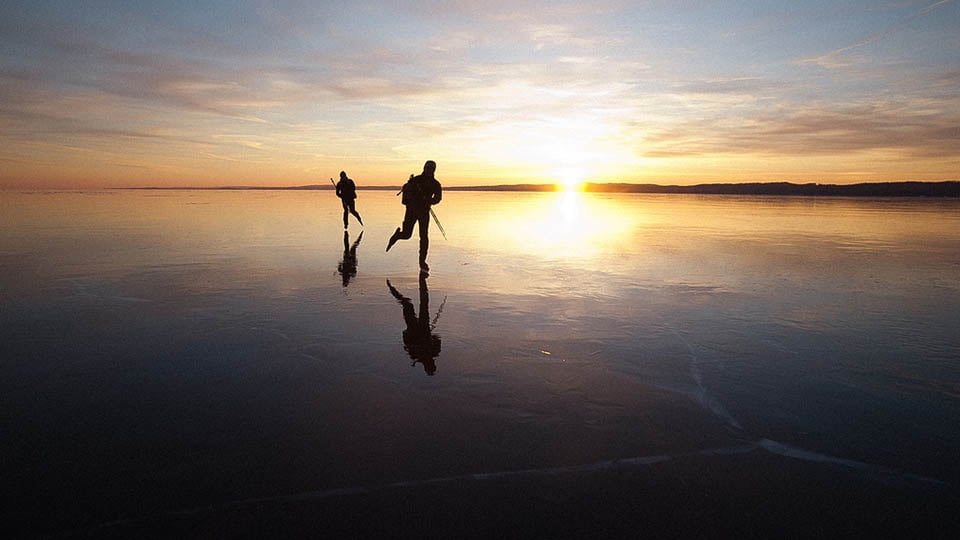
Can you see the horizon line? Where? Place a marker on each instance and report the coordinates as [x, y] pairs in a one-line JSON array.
[[545, 186], [907, 188], [944, 188]]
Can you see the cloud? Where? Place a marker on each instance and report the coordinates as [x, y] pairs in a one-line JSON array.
[[206, 74], [915, 130], [842, 57], [727, 85]]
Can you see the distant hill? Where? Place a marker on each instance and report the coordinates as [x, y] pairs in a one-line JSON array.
[[887, 189], [883, 189]]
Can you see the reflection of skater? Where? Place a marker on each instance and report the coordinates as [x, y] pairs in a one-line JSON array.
[[348, 264], [419, 194], [418, 339], [347, 191]]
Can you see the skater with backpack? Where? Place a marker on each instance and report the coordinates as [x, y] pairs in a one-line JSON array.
[[420, 193]]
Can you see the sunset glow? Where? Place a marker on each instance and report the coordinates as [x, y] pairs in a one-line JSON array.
[[111, 94]]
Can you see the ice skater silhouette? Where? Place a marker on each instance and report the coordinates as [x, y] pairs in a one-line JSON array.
[[347, 191], [419, 194], [418, 338]]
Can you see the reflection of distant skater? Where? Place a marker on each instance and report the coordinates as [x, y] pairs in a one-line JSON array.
[[419, 194], [348, 264], [347, 191], [418, 339]]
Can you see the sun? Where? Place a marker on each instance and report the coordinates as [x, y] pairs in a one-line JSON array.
[[569, 179]]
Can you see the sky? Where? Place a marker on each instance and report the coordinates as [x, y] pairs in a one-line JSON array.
[[129, 93]]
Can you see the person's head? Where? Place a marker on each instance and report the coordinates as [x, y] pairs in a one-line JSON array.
[[430, 167], [343, 174]]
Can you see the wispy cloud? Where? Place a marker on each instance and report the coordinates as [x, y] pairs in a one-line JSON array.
[[841, 57], [914, 130]]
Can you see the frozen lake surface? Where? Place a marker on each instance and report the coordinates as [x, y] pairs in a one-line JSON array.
[[194, 362]]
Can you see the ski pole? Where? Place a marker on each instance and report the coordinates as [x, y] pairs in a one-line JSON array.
[[439, 226]]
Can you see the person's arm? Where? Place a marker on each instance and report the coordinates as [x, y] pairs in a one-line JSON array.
[[339, 187], [437, 193]]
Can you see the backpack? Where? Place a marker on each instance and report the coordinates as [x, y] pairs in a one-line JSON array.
[[414, 193]]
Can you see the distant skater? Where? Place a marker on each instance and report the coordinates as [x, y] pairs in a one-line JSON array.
[[419, 341], [347, 191], [419, 194]]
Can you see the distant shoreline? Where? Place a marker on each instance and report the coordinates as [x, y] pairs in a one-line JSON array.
[[880, 189]]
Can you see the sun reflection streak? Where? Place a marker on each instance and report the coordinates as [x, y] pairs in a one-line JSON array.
[[570, 224]]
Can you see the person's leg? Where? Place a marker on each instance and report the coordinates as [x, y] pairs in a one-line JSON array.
[[424, 221], [353, 210], [406, 232], [345, 212]]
